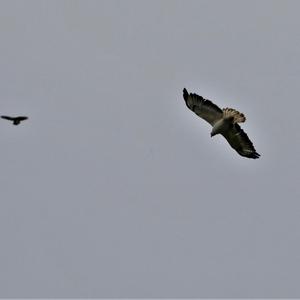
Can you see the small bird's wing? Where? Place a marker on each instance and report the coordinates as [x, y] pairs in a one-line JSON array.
[[7, 118], [21, 118], [204, 108], [240, 142]]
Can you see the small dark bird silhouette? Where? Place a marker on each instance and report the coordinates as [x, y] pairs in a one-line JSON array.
[[15, 120]]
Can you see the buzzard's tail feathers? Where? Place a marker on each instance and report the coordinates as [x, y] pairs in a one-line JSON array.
[[232, 113]]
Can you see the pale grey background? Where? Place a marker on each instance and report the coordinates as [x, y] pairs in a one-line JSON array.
[[113, 188]]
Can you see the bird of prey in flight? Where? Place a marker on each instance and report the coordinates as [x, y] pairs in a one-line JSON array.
[[15, 120], [224, 121]]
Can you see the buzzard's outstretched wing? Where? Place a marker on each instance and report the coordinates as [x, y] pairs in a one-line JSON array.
[[21, 118], [204, 108], [7, 118], [240, 142]]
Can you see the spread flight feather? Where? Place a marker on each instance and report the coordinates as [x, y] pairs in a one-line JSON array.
[[224, 121]]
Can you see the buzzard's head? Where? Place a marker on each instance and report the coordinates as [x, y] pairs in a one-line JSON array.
[[213, 132], [217, 128]]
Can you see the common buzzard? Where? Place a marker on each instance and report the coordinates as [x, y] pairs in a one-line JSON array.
[[224, 121], [15, 120]]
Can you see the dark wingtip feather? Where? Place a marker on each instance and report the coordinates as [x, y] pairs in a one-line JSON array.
[[185, 94], [254, 155]]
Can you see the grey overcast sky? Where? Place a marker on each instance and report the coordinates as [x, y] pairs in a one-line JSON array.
[[113, 188]]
